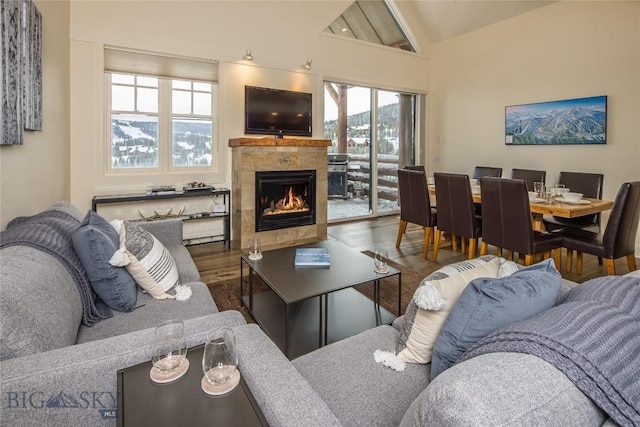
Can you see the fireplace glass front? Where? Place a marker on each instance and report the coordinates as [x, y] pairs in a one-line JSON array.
[[285, 199]]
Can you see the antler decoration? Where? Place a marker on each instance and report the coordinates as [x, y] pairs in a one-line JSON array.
[[157, 216]]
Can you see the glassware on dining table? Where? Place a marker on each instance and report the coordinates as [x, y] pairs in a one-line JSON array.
[[549, 194], [559, 190], [537, 188]]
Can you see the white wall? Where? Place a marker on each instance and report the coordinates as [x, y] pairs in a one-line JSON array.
[[569, 49], [36, 174], [281, 35]]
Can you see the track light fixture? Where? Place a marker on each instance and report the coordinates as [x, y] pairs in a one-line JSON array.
[[247, 55], [307, 65]]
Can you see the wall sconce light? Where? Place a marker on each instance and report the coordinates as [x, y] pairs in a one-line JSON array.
[[306, 65], [247, 56]]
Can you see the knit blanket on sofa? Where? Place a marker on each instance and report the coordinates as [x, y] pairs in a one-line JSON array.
[[592, 336], [50, 232]]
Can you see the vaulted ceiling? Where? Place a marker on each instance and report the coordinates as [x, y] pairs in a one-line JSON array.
[[446, 19], [436, 20]]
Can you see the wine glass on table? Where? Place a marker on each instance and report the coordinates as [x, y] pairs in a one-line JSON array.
[[220, 362], [559, 190], [170, 350], [537, 188]]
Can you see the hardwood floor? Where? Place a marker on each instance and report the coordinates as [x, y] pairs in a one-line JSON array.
[[216, 263]]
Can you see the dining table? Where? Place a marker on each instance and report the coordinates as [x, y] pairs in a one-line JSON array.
[[556, 207]]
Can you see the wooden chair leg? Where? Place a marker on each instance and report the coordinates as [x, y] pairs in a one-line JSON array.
[[599, 260], [569, 259], [610, 263], [483, 248], [473, 243], [510, 255], [499, 252], [557, 258], [528, 259], [428, 231], [631, 262], [436, 245], [454, 242], [579, 262], [401, 230], [463, 245]]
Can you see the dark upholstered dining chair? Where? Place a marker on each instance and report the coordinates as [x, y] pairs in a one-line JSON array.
[[618, 239], [480, 171], [590, 185], [507, 223], [415, 206], [529, 176], [456, 214]]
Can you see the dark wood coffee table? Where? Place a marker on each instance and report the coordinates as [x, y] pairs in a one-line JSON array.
[[306, 308], [141, 402]]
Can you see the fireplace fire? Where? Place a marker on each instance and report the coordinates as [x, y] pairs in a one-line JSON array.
[[285, 199], [291, 202]]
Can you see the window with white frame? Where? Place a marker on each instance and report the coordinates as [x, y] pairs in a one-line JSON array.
[[159, 120], [191, 123]]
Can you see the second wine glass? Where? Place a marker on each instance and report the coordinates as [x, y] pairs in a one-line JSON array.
[[380, 261], [220, 358]]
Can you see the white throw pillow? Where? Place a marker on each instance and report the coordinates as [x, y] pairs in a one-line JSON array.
[[428, 322], [431, 304], [146, 259]]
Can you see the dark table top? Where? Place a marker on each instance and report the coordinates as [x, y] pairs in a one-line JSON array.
[[348, 268], [182, 402]]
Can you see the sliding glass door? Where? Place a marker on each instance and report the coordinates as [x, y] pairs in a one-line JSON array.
[[374, 130]]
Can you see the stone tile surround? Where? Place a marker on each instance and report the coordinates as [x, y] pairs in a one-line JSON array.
[[249, 155]]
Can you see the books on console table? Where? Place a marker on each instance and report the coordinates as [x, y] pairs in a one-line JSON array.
[[312, 257]]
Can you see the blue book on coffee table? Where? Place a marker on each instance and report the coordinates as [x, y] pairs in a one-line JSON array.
[[312, 257]]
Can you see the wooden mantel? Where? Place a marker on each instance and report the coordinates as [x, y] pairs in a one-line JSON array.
[[278, 142]]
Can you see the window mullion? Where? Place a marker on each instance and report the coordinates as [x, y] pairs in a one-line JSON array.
[[107, 128], [164, 112]]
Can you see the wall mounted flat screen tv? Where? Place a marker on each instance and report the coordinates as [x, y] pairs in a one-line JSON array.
[[277, 112]]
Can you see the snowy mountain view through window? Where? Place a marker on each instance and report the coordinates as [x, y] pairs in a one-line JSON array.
[[134, 141], [160, 122], [192, 142]]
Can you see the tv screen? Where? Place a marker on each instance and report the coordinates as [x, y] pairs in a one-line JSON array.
[[277, 112]]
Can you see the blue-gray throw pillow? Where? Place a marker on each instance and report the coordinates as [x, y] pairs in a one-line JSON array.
[[95, 242], [488, 304]]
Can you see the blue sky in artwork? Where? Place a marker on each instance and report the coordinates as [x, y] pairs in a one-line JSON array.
[[597, 103]]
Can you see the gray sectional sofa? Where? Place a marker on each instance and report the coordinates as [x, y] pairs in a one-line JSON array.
[[63, 373], [57, 371]]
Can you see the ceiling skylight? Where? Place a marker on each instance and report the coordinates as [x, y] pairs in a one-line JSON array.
[[371, 21]]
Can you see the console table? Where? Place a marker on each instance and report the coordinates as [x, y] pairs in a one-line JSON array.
[[224, 216]]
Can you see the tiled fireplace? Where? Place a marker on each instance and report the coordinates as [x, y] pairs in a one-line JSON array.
[[294, 173]]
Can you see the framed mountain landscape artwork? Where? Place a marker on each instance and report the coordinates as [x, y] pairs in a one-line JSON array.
[[570, 121]]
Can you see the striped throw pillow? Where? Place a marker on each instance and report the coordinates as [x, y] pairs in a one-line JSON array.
[[150, 263]]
